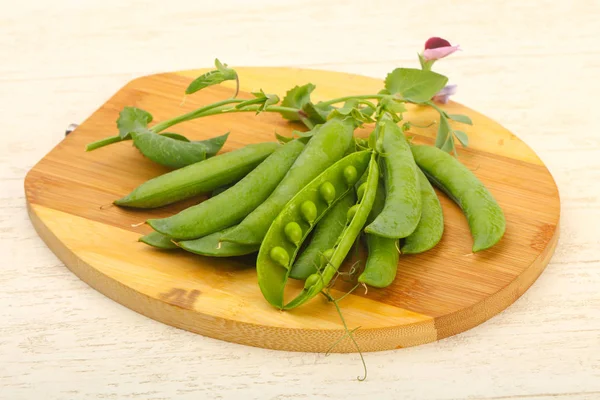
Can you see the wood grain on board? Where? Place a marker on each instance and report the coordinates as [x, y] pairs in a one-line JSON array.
[[436, 294]]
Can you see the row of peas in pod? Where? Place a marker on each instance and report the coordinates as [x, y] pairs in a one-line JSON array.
[[301, 204]]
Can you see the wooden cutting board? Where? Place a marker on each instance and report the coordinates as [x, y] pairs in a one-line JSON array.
[[437, 294]]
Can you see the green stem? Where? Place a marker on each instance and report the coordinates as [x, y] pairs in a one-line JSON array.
[[192, 115], [222, 110], [212, 109], [103, 142], [361, 97]]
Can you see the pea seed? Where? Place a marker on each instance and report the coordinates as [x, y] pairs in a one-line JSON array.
[[360, 192], [308, 209], [350, 175], [326, 256], [327, 191], [311, 281], [293, 232], [352, 212], [280, 256]]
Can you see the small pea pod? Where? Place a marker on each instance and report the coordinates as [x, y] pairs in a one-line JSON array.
[[485, 217], [212, 246], [324, 237], [231, 206], [281, 245], [333, 258], [431, 226], [382, 258], [402, 209], [324, 148], [158, 240], [173, 152], [201, 177]]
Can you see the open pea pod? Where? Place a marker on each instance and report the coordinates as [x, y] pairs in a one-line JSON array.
[[300, 215]]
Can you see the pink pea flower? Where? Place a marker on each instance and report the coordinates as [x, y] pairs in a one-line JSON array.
[[436, 48], [443, 95]]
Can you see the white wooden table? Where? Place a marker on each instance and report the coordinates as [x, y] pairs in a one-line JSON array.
[[533, 66]]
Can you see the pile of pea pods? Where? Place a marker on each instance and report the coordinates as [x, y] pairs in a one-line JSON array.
[[303, 203]]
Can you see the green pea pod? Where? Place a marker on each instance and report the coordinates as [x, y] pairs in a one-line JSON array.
[[485, 217], [402, 209], [431, 226], [382, 259], [324, 148], [334, 257], [212, 246], [299, 216], [173, 152], [158, 240], [231, 206], [201, 177], [324, 237]]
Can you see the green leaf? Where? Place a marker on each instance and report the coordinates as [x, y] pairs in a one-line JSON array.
[[462, 138], [283, 139], [460, 118], [166, 151], [391, 105], [449, 144], [296, 97], [213, 145], [175, 136], [210, 78], [317, 113], [442, 133], [132, 119], [262, 99], [368, 111], [348, 106], [415, 85]]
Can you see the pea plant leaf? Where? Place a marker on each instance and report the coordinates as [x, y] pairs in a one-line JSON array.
[[132, 119], [462, 138], [414, 85], [391, 105], [442, 133], [283, 139], [167, 151], [460, 118], [449, 144], [296, 97], [317, 113], [214, 77], [175, 136], [213, 145], [261, 99]]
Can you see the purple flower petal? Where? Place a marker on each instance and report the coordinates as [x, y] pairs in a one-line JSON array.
[[435, 42], [443, 95], [439, 52]]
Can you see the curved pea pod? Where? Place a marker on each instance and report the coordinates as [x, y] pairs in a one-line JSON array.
[[431, 225], [158, 240], [333, 258], [325, 147], [212, 246], [324, 237], [278, 250], [382, 257], [402, 209], [232, 205], [485, 217], [201, 177], [173, 152]]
